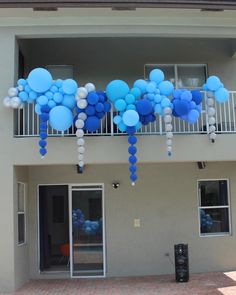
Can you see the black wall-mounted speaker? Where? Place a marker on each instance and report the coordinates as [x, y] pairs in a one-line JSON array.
[[181, 263]]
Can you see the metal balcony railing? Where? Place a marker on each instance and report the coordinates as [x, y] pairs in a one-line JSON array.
[[27, 122]]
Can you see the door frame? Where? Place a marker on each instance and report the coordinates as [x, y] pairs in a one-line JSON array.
[[80, 187]]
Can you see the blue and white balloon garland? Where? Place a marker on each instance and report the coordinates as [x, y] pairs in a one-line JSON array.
[[215, 89]]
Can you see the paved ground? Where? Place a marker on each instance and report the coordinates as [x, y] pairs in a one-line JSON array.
[[199, 284]]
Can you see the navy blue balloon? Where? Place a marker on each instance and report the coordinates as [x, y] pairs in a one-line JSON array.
[[78, 110], [92, 98], [144, 107], [99, 107], [107, 106], [181, 107], [132, 139], [130, 130], [132, 159], [44, 117], [197, 96], [92, 123], [132, 150], [132, 168], [43, 126], [100, 115], [90, 110], [43, 151], [43, 135], [42, 143], [102, 98], [133, 177]]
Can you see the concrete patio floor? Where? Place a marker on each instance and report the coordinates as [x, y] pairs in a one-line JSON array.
[[207, 283]]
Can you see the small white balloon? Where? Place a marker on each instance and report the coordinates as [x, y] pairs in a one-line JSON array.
[[80, 133], [7, 102], [82, 116], [210, 102], [212, 128], [12, 91], [169, 148], [133, 183], [212, 121], [80, 141], [82, 92], [169, 135], [169, 142], [79, 123], [81, 149], [20, 88], [212, 136], [80, 156], [211, 111], [210, 94], [167, 111], [168, 119], [81, 163], [168, 127], [15, 102], [90, 87], [82, 104]]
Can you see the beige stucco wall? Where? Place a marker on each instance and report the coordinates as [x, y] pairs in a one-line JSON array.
[[103, 22], [164, 199]]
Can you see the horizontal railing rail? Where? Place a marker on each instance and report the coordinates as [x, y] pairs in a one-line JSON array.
[[26, 122]]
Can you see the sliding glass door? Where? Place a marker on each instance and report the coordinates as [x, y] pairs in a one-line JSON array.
[[86, 230]]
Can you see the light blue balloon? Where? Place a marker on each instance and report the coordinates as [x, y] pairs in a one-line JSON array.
[[117, 89], [54, 89], [213, 83], [158, 109], [136, 92], [122, 127], [39, 80], [130, 98], [199, 108], [69, 101], [33, 95], [58, 83], [130, 118], [42, 100], [21, 82], [222, 95], [166, 88], [49, 95], [51, 104], [23, 96], [150, 96], [204, 87], [193, 116], [138, 126], [151, 87], [165, 102], [27, 89], [141, 84], [157, 98], [37, 109], [69, 86], [117, 119], [120, 105], [157, 76], [131, 107], [60, 118], [58, 97], [193, 104]]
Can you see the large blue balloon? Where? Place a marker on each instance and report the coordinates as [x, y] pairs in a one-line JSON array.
[[117, 89], [130, 118], [92, 123], [213, 83], [69, 101], [166, 88], [193, 116], [60, 118], [181, 107], [144, 107], [222, 95], [141, 84], [39, 80], [69, 86], [157, 76]]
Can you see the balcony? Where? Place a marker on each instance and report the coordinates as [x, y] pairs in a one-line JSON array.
[[26, 123]]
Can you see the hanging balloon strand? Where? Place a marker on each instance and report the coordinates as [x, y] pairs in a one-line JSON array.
[[43, 117], [132, 139]]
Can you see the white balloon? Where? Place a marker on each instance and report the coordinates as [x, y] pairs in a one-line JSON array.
[[79, 132], [169, 135], [12, 91], [82, 92], [82, 116], [212, 128], [81, 149], [81, 163], [79, 123], [210, 102], [167, 111], [168, 119], [211, 111], [82, 104], [90, 87], [7, 102], [80, 156], [212, 136], [169, 142], [20, 88], [169, 148], [210, 94], [212, 120], [15, 102], [80, 141], [168, 127]]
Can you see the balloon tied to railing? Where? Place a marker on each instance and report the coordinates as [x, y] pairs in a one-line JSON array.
[[61, 104]]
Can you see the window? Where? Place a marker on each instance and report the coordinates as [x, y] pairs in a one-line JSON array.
[[181, 75], [214, 210], [21, 214], [61, 71]]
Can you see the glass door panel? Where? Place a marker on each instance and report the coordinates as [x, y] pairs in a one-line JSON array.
[[87, 232]]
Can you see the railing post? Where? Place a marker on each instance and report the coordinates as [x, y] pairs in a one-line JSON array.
[[206, 114], [160, 123], [111, 118]]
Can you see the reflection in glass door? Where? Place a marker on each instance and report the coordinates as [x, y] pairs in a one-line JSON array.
[[86, 223]]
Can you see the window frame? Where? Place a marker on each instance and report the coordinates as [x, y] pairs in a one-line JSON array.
[[221, 234], [175, 67], [21, 213]]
